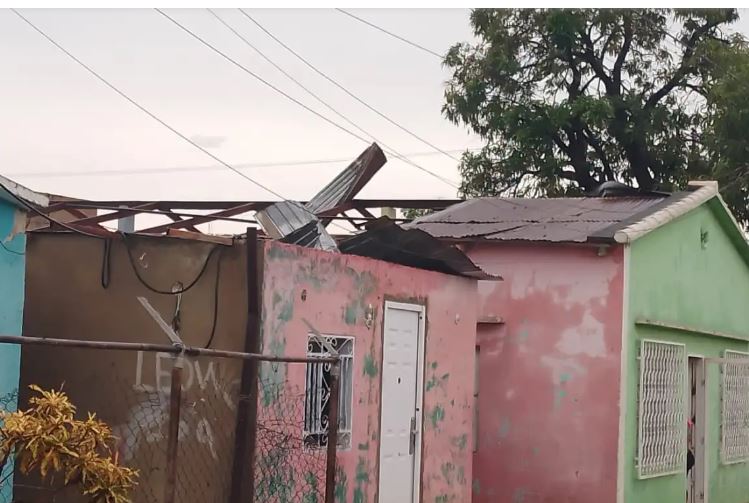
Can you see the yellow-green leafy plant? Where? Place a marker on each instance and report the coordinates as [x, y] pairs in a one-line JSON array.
[[47, 438]]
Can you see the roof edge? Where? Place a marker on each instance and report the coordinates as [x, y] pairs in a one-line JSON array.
[[11, 192], [702, 191]]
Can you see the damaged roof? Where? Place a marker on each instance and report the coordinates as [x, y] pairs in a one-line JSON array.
[[385, 240], [18, 195], [349, 182], [556, 220]]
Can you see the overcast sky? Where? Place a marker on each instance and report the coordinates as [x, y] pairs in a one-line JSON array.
[[57, 118], [61, 127]]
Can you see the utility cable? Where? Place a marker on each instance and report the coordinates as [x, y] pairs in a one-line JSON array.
[[198, 169], [286, 95], [14, 252], [386, 148], [345, 90], [142, 108], [383, 30]]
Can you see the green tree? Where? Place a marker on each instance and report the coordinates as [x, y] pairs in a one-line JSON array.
[[567, 99]]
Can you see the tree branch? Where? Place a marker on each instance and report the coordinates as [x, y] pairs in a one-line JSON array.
[[595, 142], [622, 56], [560, 143], [589, 56], [684, 67]]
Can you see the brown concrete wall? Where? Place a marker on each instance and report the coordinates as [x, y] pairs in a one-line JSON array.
[[65, 298]]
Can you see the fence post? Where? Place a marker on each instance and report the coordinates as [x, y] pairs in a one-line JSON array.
[[175, 404], [242, 488], [335, 375]]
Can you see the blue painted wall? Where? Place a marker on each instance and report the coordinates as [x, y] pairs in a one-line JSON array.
[[12, 268]]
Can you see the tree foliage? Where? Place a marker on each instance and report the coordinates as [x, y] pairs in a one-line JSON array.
[[567, 99], [48, 439]]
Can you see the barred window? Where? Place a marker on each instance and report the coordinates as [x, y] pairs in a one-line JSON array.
[[734, 422], [661, 448], [317, 392]]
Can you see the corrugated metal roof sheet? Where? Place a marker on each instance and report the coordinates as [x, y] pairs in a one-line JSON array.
[[291, 221], [552, 219], [349, 182], [385, 240]]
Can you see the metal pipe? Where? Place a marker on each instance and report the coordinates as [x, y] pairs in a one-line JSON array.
[[330, 468], [175, 403], [157, 348]]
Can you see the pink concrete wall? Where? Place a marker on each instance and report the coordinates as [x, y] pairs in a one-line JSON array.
[[549, 377], [339, 288]]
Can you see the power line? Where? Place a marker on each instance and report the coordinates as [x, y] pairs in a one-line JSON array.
[[197, 169], [388, 149], [256, 76], [383, 30], [344, 89], [285, 73], [142, 108], [326, 119], [14, 252]]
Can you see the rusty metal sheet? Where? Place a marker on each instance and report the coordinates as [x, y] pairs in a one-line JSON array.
[[349, 182], [385, 240], [579, 219]]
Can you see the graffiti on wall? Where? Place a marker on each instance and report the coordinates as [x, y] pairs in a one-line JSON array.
[[208, 399]]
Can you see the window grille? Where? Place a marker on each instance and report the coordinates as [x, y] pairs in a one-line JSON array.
[[662, 409], [734, 424], [317, 393]]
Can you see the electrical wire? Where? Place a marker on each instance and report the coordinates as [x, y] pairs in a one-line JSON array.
[[192, 283], [289, 97], [215, 299], [40, 213], [14, 252], [172, 129], [256, 76], [345, 90], [186, 169], [142, 108], [386, 148], [383, 30], [217, 250]]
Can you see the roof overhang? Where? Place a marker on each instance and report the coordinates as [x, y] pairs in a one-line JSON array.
[[701, 192], [15, 194]]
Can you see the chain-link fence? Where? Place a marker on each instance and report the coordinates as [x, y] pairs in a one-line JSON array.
[[184, 420], [289, 466]]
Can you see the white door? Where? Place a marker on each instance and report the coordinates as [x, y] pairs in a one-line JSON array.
[[400, 423]]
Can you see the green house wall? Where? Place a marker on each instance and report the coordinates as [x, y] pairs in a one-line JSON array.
[[688, 273]]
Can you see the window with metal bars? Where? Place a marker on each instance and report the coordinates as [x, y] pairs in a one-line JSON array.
[[662, 421], [734, 421], [317, 392]]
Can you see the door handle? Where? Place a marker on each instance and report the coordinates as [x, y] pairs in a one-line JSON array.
[[412, 437]]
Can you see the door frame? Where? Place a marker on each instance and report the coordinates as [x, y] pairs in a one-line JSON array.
[[419, 410], [701, 418]]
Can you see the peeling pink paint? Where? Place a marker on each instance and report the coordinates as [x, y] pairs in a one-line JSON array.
[[548, 419], [338, 289]]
